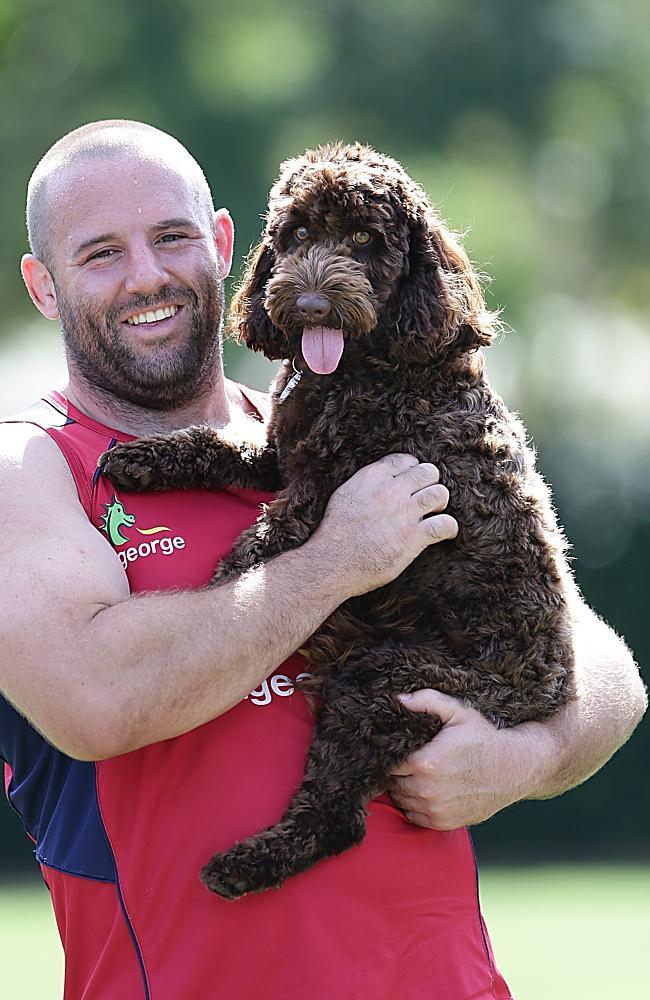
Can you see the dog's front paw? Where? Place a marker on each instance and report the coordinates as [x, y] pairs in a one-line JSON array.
[[131, 466], [244, 868]]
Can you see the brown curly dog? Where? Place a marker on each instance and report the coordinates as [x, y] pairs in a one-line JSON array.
[[358, 283]]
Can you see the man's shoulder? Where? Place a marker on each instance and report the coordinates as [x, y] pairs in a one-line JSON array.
[[261, 401], [27, 450], [15, 434], [41, 413]]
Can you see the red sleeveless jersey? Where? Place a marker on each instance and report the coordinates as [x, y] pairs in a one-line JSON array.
[[121, 841]]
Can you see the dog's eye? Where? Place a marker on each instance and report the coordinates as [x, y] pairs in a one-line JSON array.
[[362, 238], [301, 233]]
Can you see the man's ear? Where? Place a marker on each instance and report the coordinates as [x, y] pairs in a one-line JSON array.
[[40, 285], [224, 238]]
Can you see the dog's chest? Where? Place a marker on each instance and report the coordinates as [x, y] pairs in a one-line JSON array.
[[333, 434]]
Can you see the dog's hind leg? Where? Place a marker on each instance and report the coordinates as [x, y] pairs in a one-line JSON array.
[[192, 458], [361, 734]]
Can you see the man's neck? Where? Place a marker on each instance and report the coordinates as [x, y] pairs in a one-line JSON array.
[[219, 407]]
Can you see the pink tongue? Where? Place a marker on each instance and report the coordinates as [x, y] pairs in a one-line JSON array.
[[322, 348]]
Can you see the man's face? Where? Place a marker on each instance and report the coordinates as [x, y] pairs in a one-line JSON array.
[[129, 236]]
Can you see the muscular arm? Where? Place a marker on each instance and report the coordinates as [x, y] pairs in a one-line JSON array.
[[100, 672], [586, 733], [471, 770]]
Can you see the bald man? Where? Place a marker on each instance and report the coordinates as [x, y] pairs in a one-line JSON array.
[[149, 720]]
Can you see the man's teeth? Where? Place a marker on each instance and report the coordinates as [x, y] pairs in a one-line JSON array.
[[153, 317]]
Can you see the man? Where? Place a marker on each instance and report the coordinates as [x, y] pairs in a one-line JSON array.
[[163, 720]]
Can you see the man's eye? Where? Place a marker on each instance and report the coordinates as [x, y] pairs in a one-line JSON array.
[[362, 237], [301, 233], [103, 254], [171, 237]]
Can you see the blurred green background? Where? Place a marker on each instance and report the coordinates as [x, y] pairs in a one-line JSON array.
[[529, 126]]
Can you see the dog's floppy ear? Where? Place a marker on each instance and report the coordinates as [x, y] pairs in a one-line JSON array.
[[440, 304], [248, 320]]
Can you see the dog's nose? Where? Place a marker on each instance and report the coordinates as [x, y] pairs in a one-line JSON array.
[[313, 306]]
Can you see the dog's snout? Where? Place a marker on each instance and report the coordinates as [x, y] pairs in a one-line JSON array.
[[313, 306]]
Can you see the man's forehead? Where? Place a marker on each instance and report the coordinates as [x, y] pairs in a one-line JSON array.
[[121, 172], [118, 185]]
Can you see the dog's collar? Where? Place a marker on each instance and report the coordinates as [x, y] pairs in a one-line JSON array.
[[292, 383]]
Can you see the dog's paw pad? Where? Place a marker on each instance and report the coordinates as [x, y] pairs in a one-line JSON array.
[[227, 884], [228, 881], [127, 467], [246, 867]]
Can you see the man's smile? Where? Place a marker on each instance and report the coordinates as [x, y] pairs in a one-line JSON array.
[[157, 321], [152, 316]]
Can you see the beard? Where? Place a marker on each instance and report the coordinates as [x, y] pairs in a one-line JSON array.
[[160, 377]]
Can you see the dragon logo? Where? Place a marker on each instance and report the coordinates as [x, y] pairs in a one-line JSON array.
[[117, 518]]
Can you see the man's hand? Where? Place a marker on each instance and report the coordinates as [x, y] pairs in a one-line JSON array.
[[470, 770], [384, 516]]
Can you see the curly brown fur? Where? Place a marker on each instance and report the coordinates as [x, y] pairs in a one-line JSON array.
[[483, 617]]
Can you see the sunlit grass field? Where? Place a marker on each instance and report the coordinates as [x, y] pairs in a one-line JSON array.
[[558, 933], [570, 933]]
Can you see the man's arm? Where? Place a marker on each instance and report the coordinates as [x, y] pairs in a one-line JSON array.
[[100, 672], [471, 770]]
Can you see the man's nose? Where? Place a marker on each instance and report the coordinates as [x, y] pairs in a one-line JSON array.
[[145, 271]]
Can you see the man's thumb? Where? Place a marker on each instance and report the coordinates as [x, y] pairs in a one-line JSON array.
[[433, 702]]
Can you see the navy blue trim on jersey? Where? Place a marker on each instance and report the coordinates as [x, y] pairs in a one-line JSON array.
[[48, 402], [56, 798], [136, 945], [479, 912], [97, 472]]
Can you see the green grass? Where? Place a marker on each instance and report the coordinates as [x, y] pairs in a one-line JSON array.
[[562, 933], [558, 933], [31, 959]]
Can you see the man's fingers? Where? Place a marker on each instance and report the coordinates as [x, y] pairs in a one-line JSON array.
[[432, 499], [407, 803], [430, 821], [421, 475], [387, 527], [403, 770], [398, 462], [440, 527], [416, 812], [433, 702], [419, 819]]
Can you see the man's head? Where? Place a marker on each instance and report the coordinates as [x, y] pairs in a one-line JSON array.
[[121, 224]]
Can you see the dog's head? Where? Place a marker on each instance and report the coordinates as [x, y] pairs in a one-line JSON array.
[[353, 248]]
